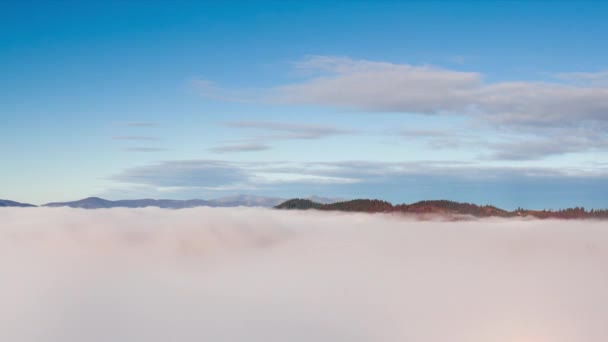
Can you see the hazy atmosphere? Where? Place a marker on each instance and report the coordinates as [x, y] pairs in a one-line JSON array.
[[210, 274]]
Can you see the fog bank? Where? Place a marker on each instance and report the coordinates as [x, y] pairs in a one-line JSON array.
[[246, 274]]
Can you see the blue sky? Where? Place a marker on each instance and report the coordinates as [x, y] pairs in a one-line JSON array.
[[488, 102]]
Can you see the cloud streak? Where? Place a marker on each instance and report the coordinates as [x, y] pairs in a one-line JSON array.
[[599, 78], [187, 171], [245, 147], [230, 275], [287, 131], [184, 173], [268, 131], [135, 138], [505, 186], [137, 123], [532, 149], [144, 149]]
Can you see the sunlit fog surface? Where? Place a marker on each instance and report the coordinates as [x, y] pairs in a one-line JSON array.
[[212, 274]]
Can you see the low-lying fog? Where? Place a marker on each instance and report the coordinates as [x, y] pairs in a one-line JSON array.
[[263, 275]]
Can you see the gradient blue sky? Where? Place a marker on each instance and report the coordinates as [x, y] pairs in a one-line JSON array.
[[488, 102]]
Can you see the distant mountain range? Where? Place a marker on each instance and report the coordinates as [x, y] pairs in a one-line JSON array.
[[231, 201], [440, 207], [99, 203], [7, 203]]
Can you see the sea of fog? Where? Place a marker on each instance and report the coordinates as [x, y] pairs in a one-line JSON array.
[[261, 275]]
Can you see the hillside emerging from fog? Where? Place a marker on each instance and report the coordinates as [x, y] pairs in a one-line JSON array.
[[7, 203], [441, 208]]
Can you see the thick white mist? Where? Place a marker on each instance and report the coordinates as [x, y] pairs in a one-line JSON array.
[[264, 275]]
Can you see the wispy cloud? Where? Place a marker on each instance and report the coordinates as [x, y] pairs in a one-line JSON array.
[[135, 138], [554, 141], [599, 78], [457, 59], [144, 149], [188, 172], [531, 150], [285, 131], [246, 147], [426, 133], [440, 138], [126, 136], [413, 180], [137, 123], [211, 90], [185, 173], [263, 133]]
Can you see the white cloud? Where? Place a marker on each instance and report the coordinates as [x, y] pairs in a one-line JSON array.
[[379, 86], [538, 104], [390, 87], [263, 275], [580, 105]]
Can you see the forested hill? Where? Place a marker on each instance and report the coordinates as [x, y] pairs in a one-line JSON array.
[[440, 207]]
